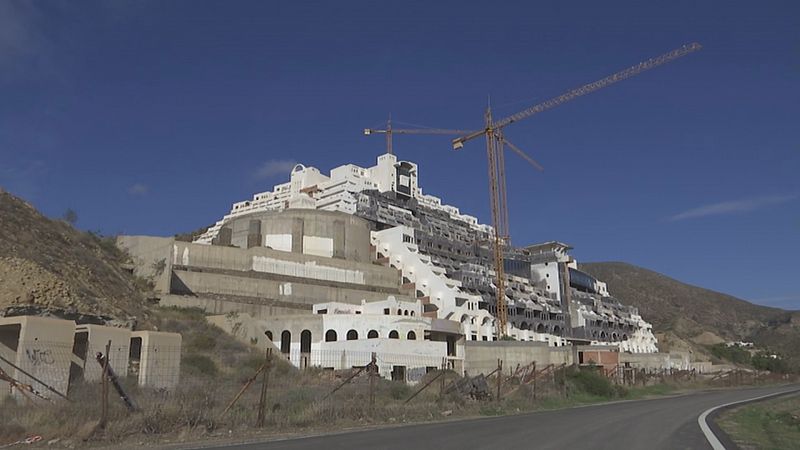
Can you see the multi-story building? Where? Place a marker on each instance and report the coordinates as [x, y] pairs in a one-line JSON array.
[[444, 255]]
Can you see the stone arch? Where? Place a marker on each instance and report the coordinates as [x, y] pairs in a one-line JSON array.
[[411, 336], [352, 335], [372, 334], [540, 328], [394, 334], [330, 336]]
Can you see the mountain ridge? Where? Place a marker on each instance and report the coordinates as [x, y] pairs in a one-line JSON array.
[[690, 313]]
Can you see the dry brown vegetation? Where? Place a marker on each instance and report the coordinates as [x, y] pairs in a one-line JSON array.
[[215, 367]]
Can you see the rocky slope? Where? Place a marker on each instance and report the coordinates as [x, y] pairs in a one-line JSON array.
[[47, 266], [689, 316]]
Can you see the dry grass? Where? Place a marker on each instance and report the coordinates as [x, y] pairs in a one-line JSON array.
[[296, 400]]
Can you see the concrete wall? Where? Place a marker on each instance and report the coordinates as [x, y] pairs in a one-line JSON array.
[[313, 232], [481, 357], [262, 290], [152, 258], [92, 339], [655, 361], [160, 358], [268, 261], [40, 346]]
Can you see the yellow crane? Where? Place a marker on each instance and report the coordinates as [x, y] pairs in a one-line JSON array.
[[495, 142], [389, 131]]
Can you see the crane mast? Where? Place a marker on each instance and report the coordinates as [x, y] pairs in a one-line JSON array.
[[495, 143]]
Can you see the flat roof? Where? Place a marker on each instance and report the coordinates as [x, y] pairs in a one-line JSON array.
[[548, 245]]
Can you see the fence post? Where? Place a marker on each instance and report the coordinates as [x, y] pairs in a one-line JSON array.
[[441, 384], [262, 402], [499, 377], [373, 373], [535, 375], [104, 388]]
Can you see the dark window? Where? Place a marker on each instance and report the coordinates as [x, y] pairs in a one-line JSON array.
[[330, 336], [305, 341], [286, 341], [268, 334], [352, 335], [372, 334], [411, 336], [394, 335]]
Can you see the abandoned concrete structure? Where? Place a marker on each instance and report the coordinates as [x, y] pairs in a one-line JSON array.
[[45, 352], [370, 235]]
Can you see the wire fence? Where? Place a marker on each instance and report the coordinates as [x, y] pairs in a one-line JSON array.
[[143, 387]]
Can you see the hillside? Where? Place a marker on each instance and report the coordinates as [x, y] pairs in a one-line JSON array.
[[47, 266], [689, 313]]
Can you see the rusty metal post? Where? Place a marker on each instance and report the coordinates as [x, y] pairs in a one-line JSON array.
[[373, 373], [262, 402], [442, 382], [104, 388], [499, 377]]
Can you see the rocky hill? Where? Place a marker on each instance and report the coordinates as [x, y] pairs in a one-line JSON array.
[[49, 267], [686, 315]]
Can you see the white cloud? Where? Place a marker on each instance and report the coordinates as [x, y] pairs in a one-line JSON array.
[[138, 189], [733, 206], [274, 167]]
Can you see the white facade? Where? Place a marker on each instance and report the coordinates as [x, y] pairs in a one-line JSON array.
[[308, 188]]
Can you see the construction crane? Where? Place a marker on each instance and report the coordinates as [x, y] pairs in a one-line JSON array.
[[495, 142], [389, 131]]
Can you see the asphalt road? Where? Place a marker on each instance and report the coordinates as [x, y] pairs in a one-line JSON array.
[[665, 423]]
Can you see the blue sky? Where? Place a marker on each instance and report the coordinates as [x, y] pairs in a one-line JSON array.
[[153, 117]]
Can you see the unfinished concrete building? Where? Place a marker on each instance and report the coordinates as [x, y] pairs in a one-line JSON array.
[[371, 234]]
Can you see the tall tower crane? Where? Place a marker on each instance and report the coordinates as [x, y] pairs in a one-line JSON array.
[[389, 131], [495, 142]]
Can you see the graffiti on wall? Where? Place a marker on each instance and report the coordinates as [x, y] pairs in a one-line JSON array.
[[40, 357]]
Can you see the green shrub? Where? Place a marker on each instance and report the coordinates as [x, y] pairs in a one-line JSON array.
[[592, 382], [200, 364], [399, 391]]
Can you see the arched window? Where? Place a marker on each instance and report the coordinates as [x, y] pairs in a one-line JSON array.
[[399, 312], [394, 335], [540, 328], [405, 312], [286, 341], [352, 335], [411, 336], [372, 334], [330, 336], [268, 334], [305, 341], [412, 313], [557, 330]]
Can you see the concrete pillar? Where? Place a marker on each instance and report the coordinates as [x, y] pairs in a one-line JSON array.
[[298, 226], [254, 234], [338, 239], [224, 237]]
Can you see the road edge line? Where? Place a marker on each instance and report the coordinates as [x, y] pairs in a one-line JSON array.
[[702, 419]]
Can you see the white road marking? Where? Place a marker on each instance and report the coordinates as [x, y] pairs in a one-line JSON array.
[[710, 436]]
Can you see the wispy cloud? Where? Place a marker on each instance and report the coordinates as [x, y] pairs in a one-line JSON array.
[[274, 167], [138, 189], [733, 206]]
